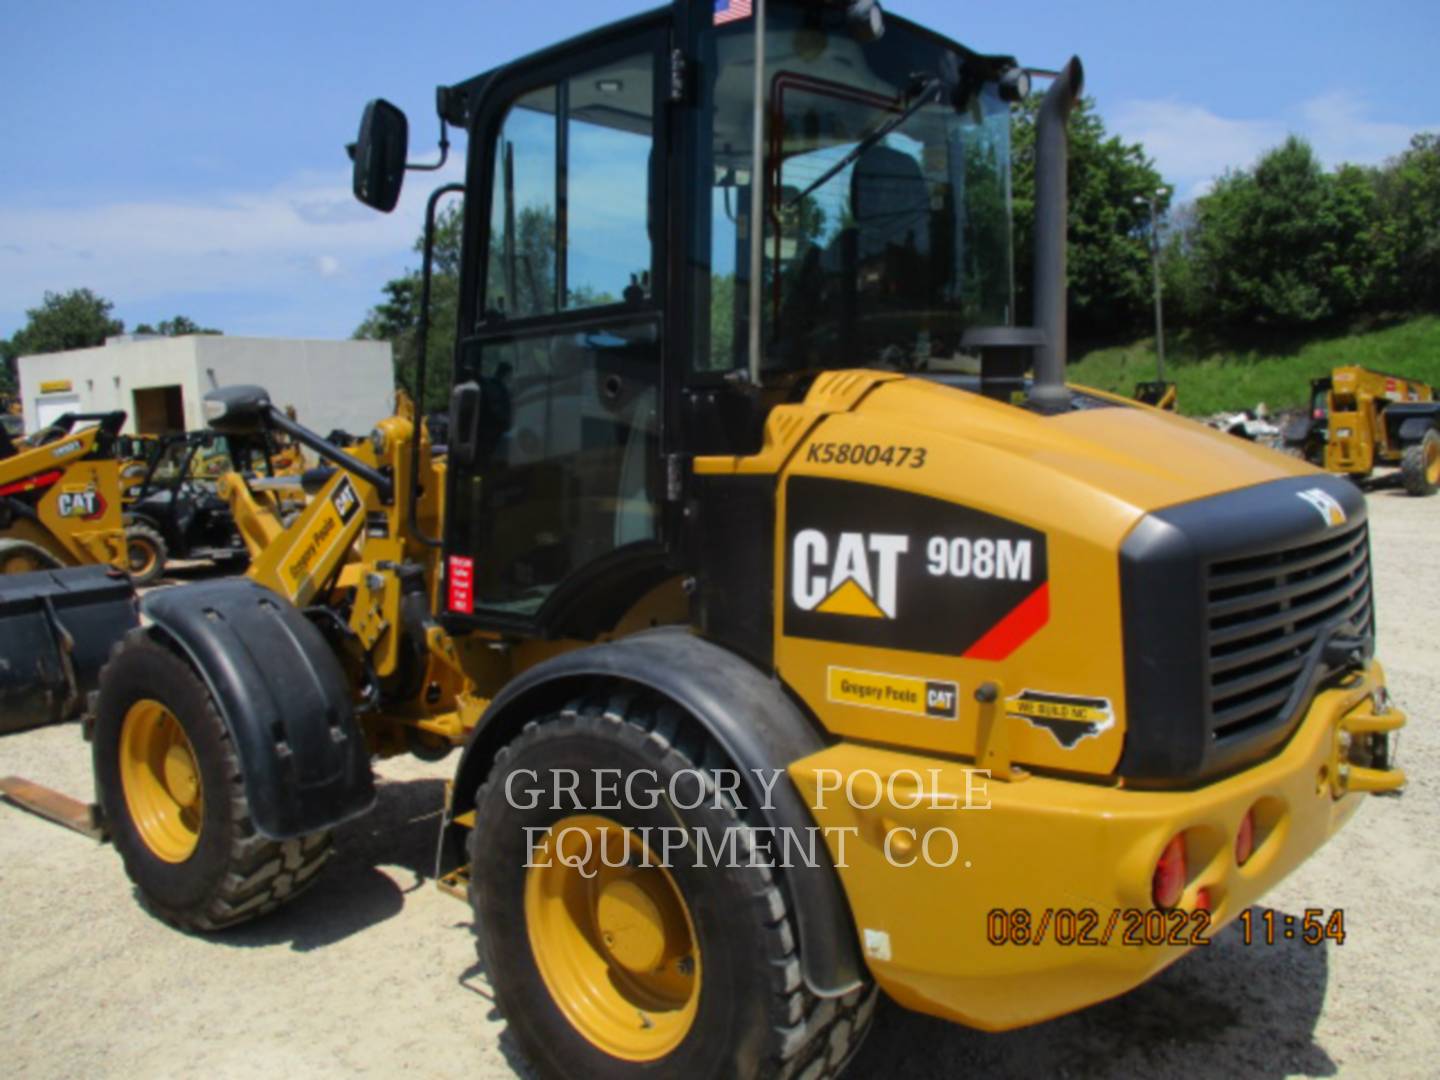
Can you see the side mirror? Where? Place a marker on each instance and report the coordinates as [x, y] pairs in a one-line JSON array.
[[379, 155]]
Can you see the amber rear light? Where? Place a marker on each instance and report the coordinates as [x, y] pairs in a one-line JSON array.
[[1245, 838]]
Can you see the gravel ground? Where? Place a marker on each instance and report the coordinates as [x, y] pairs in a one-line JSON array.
[[374, 971]]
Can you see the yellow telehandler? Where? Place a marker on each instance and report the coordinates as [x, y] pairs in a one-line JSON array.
[[1361, 420], [788, 661]]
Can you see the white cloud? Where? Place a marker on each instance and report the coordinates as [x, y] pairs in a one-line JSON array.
[[296, 236], [1193, 146], [1338, 126]]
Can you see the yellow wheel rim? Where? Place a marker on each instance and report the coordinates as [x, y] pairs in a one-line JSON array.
[[142, 557], [20, 563], [613, 938], [1432, 461], [161, 781]]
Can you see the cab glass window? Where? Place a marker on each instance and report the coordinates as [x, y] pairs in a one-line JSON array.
[[570, 222]]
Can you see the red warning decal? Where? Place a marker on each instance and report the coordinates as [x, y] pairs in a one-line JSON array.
[[31, 483], [462, 584]]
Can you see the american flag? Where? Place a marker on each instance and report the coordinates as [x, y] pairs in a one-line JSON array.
[[731, 10]]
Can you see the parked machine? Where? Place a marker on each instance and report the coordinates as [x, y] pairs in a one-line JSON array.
[[1162, 395], [728, 546], [60, 499], [1361, 420], [176, 504]]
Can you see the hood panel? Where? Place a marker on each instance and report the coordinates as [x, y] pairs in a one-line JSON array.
[[1144, 457], [929, 541]]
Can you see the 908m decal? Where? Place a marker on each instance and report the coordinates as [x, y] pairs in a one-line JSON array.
[[868, 565]]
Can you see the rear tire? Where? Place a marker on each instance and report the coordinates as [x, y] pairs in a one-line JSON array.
[[145, 553], [1420, 467], [23, 557], [170, 786], [748, 1013]]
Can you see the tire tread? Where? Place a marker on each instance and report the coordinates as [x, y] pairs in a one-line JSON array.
[[811, 1038]]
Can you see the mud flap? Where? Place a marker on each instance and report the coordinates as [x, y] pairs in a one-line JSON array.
[[56, 629]]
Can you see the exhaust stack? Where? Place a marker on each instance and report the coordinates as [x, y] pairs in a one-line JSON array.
[[1048, 392]]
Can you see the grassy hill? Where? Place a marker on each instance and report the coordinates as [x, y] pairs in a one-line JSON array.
[[1213, 378]]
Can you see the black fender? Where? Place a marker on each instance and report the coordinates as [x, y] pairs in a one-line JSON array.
[[1408, 421], [283, 696], [744, 710]]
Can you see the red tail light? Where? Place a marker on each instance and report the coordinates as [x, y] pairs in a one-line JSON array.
[[1245, 839], [1169, 880]]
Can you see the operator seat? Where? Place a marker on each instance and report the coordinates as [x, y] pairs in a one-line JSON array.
[[890, 202]]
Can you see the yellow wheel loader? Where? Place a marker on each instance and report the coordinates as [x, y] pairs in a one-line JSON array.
[[1159, 394], [60, 501], [787, 661]]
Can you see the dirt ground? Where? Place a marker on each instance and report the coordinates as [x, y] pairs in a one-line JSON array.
[[374, 972]]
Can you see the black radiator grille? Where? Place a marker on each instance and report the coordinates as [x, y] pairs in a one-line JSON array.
[[1264, 612]]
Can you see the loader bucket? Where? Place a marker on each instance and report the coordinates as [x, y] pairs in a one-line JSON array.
[[56, 629]]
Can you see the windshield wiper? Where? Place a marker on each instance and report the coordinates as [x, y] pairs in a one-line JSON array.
[[928, 94]]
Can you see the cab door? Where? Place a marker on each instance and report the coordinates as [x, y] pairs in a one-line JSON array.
[[555, 485]]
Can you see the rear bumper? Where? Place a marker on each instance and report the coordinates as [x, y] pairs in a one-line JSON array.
[[1049, 846]]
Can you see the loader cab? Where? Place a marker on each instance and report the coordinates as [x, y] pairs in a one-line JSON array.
[[644, 278]]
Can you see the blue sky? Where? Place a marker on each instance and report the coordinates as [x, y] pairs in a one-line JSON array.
[[187, 157]]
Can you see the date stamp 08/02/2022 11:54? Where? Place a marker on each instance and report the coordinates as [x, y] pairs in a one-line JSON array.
[[1156, 926]]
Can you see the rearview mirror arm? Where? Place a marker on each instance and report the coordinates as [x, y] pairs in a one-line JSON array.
[[444, 152]]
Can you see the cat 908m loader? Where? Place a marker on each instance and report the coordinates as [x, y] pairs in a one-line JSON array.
[[783, 653]]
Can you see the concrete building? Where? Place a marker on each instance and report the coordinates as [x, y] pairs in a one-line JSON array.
[[161, 382]]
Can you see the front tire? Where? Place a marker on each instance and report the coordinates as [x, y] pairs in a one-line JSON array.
[[642, 958], [1420, 467], [170, 786], [145, 553]]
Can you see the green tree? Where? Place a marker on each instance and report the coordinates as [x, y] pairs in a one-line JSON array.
[[1405, 233], [77, 319], [1282, 245], [1108, 259], [396, 318], [179, 326]]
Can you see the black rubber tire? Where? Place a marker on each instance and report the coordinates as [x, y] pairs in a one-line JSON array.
[[22, 553], [1414, 471], [235, 874], [145, 536], [756, 1018]]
